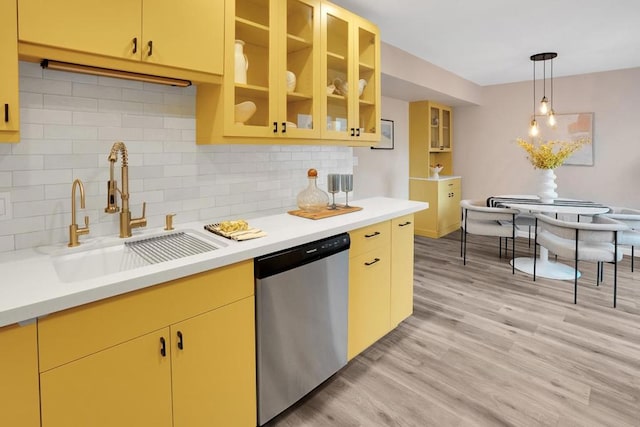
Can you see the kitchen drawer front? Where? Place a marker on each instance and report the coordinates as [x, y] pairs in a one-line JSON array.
[[368, 238], [80, 331]]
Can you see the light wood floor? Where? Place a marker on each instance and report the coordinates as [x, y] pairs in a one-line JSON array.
[[487, 348]]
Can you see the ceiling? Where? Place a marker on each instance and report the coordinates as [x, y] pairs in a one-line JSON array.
[[490, 41]]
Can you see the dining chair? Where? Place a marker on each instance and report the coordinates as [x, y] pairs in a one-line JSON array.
[[630, 217], [483, 220], [581, 241]]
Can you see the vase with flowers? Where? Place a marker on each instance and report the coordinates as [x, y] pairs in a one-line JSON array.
[[435, 170], [547, 156]]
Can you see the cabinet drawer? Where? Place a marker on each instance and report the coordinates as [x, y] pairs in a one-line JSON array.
[[79, 331], [368, 238]]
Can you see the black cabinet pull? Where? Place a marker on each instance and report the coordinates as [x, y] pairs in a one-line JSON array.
[[275, 127], [163, 347], [358, 132], [372, 235], [284, 127], [150, 44], [404, 224], [135, 45], [372, 262], [353, 131], [180, 341], [6, 113]]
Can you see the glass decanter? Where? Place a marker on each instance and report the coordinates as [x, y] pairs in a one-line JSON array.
[[312, 199]]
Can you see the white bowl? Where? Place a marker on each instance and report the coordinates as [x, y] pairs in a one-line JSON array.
[[244, 111], [291, 81]]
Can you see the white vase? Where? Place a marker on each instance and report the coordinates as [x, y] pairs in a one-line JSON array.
[[547, 189], [241, 63]]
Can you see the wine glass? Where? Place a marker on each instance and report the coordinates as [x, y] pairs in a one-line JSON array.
[[346, 185], [333, 187]]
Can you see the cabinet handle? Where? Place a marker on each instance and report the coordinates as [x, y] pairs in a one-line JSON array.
[[275, 127], [284, 127], [163, 347], [404, 224], [135, 45], [150, 44], [353, 131], [180, 341], [372, 235], [6, 113], [357, 131], [372, 262]]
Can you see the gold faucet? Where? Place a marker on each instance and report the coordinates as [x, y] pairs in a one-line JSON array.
[[126, 222], [74, 230]]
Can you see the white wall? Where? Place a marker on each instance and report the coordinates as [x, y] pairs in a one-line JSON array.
[[490, 161], [68, 124], [386, 172]]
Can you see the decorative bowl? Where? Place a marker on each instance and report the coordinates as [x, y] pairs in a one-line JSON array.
[[330, 89], [244, 111], [291, 81]]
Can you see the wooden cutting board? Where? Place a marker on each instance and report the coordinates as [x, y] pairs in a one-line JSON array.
[[325, 213]]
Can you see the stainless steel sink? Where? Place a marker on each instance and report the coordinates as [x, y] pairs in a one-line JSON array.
[[95, 261]]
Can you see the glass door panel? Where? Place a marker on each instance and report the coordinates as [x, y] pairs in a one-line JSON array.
[[434, 128], [365, 88], [335, 121], [446, 129]]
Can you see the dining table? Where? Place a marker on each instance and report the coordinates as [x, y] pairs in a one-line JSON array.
[[534, 205]]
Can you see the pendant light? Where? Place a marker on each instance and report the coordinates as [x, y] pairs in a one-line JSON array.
[[546, 105]]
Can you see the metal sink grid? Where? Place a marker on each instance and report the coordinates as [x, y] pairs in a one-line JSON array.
[[169, 247]]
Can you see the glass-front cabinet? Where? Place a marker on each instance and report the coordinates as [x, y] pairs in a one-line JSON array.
[[272, 79], [351, 64], [440, 128], [296, 71]]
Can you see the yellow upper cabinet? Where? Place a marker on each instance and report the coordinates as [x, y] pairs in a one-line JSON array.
[[187, 35], [9, 109], [430, 138], [280, 57], [271, 86], [351, 74]]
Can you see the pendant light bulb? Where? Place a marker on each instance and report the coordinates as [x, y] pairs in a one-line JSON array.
[[533, 128], [552, 118], [544, 105]]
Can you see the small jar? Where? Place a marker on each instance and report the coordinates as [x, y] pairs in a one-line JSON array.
[[312, 199]]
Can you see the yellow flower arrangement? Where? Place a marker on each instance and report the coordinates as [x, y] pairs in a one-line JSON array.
[[550, 154]]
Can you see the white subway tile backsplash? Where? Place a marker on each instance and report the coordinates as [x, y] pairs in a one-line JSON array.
[[69, 103], [69, 132], [38, 177], [21, 162], [69, 123], [85, 118]]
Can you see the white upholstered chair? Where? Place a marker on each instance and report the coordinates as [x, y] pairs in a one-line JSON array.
[[479, 219], [581, 241], [630, 217]]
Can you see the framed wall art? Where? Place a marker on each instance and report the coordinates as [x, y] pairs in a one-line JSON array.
[[386, 139], [571, 127]]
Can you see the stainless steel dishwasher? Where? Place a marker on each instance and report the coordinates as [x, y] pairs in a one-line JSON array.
[[301, 320]]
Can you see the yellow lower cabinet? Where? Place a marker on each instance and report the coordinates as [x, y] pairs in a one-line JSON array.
[[443, 215], [126, 385], [401, 269], [213, 365], [19, 376], [369, 294]]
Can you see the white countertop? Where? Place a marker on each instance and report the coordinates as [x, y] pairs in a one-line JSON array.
[[30, 286]]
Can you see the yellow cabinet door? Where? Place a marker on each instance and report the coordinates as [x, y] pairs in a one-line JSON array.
[[449, 206], [9, 108], [350, 55], [213, 367], [19, 405], [187, 34], [401, 269], [110, 28], [430, 137], [369, 299], [126, 385]]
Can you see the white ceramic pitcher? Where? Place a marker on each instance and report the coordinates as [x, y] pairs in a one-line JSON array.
[[241, 63]]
